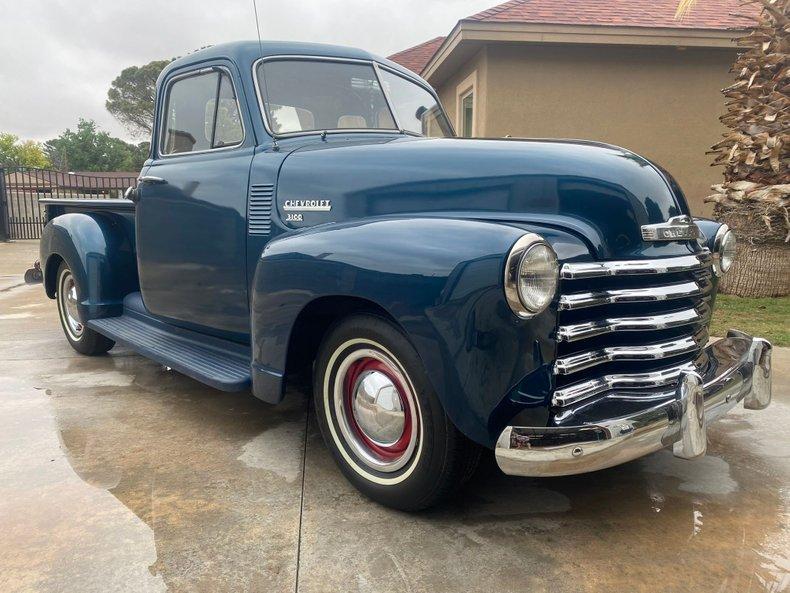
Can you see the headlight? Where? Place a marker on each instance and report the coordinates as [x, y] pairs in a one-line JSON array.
[[723, 250], [531, 274]]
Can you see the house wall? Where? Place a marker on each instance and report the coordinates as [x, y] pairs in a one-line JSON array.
[[663, 103], [448, 92]]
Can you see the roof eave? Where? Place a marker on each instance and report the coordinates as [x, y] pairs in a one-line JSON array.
[[483, 31]]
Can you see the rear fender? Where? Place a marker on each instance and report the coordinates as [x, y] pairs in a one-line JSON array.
[[100, 253]]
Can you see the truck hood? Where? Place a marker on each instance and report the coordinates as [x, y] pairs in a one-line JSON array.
[[601, 193]]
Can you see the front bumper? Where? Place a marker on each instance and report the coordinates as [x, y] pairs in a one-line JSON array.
[[740, 370]]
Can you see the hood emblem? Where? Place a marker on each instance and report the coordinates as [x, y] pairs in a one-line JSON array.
[[307, 205], [677, 228]]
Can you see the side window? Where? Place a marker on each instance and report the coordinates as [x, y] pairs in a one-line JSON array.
[[201, 113], [227, 127]]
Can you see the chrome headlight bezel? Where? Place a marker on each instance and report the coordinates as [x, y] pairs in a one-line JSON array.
[[513, 265], [724, 242]]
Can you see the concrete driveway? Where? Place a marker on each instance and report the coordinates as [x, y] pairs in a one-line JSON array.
[[117, 475]]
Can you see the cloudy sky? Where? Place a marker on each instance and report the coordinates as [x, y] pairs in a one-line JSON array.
[[58, 57]]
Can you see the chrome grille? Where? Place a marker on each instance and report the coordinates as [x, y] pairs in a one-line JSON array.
[[630, 325]]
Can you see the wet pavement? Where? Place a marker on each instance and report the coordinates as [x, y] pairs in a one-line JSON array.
[[118, 475]]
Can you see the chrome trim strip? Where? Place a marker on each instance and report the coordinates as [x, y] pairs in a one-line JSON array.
[[742, 374], [585, 360], [683, 263], [89, 202], [151, 180], [581, 300], [580, 391], [588, 329]]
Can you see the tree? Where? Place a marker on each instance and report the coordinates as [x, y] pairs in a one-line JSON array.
[[21, 154], [91, 149], [132, 95], [754, 200]]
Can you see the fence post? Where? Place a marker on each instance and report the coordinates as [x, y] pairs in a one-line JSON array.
[[4, 230]]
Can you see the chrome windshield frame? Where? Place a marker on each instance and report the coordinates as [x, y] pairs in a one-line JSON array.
[[376, 69]]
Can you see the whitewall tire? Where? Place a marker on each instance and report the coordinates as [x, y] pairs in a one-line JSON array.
[[381, 418]]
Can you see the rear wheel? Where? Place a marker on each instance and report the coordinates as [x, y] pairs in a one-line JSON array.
[[83, 339], [382, 420]]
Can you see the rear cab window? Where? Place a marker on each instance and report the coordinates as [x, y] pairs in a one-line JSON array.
[[201, 113]]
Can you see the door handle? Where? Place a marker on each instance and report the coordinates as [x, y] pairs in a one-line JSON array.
[[133, 193], [151, 180]]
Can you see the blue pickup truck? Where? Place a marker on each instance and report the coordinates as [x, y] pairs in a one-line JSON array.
[[307, 210]]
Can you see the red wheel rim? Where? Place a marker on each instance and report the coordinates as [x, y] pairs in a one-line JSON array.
[[385, 452]]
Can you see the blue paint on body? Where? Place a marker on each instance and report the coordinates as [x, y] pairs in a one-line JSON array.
[[419, 228]]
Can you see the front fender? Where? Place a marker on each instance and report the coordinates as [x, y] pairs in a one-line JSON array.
[[439, 279], [709, 228], [100, 252]]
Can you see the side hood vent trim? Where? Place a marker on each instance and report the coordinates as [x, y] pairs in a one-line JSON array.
[[260, 209]]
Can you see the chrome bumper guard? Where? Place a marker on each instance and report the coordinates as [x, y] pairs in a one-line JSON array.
[[740, 370]]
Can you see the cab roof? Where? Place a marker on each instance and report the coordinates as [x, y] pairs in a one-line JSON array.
[[245, 53]]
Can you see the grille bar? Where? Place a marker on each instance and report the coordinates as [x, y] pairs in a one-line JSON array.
[[585, 360], [586, 389], [589, 329], [684, 263], [581, 300], [642, 321]]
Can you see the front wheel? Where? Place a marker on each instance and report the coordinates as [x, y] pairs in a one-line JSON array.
[[83, 339], [382, 420]]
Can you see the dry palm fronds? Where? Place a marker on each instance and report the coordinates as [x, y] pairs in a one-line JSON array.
[[755, 151]]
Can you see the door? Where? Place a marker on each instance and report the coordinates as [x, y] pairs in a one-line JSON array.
[[191, 213]]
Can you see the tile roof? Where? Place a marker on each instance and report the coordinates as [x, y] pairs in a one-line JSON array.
[[415, 58], [706, 14]]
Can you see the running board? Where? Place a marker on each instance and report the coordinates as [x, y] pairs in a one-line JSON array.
[[219, 363]]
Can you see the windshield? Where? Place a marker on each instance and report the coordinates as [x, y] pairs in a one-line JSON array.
[[316, 95]]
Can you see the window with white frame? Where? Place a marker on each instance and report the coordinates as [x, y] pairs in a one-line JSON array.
[[465, 106]]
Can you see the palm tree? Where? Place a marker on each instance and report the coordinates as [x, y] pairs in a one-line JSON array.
[[754, 199]]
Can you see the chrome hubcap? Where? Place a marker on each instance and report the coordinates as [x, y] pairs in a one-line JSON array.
[[378, 408], [68, 305]]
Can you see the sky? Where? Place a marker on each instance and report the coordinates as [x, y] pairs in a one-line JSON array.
[[58, 57]]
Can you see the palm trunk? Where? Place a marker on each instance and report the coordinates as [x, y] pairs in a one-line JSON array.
[[754, 199], [759, 271]]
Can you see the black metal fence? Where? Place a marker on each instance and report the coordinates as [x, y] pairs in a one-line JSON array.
[[22, 217]]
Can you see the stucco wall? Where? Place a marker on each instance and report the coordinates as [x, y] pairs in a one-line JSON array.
[[448, 91], [662, 103]]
